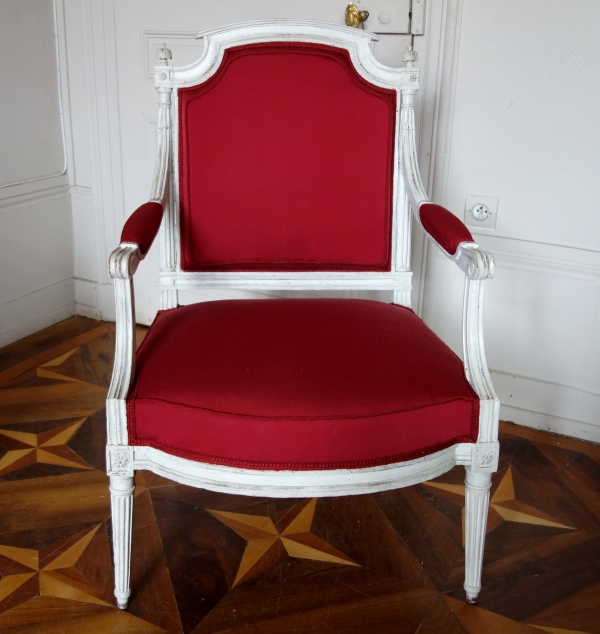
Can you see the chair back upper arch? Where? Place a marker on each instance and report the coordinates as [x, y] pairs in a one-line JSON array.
[[284, 166]]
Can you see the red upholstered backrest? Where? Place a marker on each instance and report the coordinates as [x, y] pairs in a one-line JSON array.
[[286, 164]]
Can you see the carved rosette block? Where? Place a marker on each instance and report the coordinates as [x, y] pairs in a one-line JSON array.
[[119, 460], [485, 457], [477, 497], [121, 501]]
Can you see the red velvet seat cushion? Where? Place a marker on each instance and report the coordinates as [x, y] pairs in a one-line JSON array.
[[298, 384]]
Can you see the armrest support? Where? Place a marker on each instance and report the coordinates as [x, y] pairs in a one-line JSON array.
[[136, 238], [122, 265], [456, 242]]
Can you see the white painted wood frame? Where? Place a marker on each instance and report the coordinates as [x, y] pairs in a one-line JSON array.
[[480, 459]]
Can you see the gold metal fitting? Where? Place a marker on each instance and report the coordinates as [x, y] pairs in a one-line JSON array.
[[354, 17]]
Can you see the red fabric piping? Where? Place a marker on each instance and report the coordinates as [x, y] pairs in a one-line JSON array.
[[297, 466]]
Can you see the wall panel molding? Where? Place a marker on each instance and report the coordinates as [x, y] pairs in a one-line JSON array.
[[102, 96], [25, 193], [184, 45], [539, 257], [36, 254], [31, 102]]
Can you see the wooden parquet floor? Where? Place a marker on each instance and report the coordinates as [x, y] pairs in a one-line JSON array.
[[210, 563]]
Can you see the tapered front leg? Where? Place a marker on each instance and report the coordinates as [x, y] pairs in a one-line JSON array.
[[477, 502], [121, 498]]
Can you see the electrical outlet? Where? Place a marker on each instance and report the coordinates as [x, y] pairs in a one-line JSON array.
[[481, 212]]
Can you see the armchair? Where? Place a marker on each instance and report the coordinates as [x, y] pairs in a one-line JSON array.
[[293, 397]]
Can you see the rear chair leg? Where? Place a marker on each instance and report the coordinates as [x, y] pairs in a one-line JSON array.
[[477, 502], [121, 500]]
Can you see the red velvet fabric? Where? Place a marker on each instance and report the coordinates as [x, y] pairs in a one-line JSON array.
[[286, 163], [444, 227], [298, 384], [143, 225]]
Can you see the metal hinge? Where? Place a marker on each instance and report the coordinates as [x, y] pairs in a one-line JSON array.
[[417, 18]]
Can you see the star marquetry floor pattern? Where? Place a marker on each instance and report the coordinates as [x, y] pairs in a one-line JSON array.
[[204, 562]]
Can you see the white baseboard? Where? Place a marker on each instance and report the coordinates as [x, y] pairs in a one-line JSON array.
[[554, 424], [549, 406], [95, 300], [49, 305]]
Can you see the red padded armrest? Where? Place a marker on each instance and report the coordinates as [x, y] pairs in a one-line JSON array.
[[444, 227], [142, 226]]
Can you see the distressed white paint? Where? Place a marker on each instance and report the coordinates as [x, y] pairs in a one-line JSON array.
[[477, 498], [283, 484], [480, 458], [121, 502]]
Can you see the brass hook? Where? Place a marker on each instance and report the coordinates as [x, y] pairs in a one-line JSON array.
[[354, 17]]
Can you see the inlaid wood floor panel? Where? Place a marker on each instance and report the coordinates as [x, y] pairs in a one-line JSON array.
[[211, 563]]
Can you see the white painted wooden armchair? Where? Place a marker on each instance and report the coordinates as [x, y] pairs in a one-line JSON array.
[[255, 188]]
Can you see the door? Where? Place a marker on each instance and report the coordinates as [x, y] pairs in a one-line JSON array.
[[124, 35]]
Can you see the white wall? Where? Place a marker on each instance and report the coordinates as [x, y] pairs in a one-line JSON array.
[[36, 235], [519, 87], [111, 46], [525, 130]]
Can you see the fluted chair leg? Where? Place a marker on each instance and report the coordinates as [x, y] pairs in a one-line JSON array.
[[476, 512], [121, 498]]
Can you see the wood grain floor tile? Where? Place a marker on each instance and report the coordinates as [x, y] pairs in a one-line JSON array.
[[202, 555], [477, 621], [556, 630], [95, 563], [359, 528], [54, 501], [88, 363], [526, 571], [208, 562], [539, 483], [47, 443], [49, 338], [579, 611], [17, 589], [51, 615], [440, 619], [396, 613], [430, 526], [50, 402], [153, 599], [555, 440], [52, 353]]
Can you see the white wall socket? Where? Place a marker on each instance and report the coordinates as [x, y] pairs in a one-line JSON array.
[[481, 212]]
